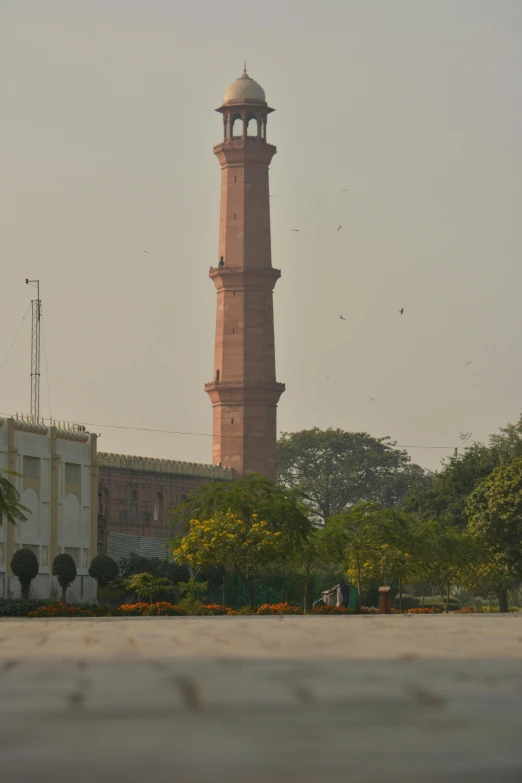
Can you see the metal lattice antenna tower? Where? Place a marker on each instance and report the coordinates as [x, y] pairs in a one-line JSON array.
[[36, 314]]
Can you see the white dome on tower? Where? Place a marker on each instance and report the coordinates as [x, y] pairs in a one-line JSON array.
[[244, 89]]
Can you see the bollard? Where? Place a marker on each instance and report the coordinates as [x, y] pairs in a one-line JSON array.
[[385, 600]]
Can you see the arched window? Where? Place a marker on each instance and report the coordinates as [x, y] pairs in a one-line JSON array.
[[263, 128], [105, 499], [158, 507], [134, 495], [237, 126], [252, 126]]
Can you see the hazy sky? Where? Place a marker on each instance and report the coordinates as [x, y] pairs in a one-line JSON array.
[[106, 149]]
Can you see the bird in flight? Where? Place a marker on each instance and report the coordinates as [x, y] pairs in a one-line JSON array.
[[146, 251], [401, 310], [294, 229], [344, 190], [471, 362], [340, 227], [342, 318], [372, 398]]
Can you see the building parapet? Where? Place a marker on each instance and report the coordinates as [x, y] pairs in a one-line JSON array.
[[65, 430], [129, 462]]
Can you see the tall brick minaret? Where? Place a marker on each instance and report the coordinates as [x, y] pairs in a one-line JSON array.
[[244, 392]]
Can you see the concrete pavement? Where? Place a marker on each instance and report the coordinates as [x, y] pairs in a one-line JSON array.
[[253, 699]]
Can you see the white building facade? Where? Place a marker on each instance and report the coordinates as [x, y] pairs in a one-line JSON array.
[[58, 483]]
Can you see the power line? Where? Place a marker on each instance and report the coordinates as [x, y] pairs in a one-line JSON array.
[[206, 434], [14, 338], [209, 435]]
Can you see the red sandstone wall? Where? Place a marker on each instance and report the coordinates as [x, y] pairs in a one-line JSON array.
[[127, 501]]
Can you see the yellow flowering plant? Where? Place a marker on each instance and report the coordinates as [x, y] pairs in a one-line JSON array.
[[231, 543]]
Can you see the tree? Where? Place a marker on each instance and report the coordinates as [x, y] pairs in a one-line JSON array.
[[10, 506], [445, 497], [192, 592], [442, 556], [237, 545], [334, 469], [24, 565], [321, 548], [495, 520], [104, 569], [281, 509], [64, 569], [361, 543], [148, 585]]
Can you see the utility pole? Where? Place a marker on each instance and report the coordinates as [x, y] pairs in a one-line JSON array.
[[36, 314]]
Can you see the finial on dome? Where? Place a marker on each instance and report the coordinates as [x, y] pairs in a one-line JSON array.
[[244, 69]]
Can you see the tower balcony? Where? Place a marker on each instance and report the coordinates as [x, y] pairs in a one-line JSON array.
[[243, 141], [238, 277], [244, 391]]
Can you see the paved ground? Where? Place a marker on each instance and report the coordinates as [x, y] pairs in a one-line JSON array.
[[250, 700]]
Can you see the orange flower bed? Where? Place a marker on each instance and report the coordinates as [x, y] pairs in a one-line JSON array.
[[165, 608], [282, 608], [60, 610], [424, 610], [213, 609], [331, 610], [133, 610]]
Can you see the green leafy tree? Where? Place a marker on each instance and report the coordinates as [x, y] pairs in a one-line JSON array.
[[242, 546], [443, 554], [445, 497], [104, 569], [359, 529], [10, 506], [64, 569], [24, 565], [334, 469], [192, 592], [280, 508], [495, 520], [148, 585], [321, 549], [487, 573]]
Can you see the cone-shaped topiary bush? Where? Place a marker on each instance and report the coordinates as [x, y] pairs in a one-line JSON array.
[[24, 565], [64, 569], [104, 569]]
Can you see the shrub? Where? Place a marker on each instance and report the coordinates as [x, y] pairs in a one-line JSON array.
[[424, 610], [148, 585], [24, 565], [282, 608], [64, 569], [104, 569], [20, 607]]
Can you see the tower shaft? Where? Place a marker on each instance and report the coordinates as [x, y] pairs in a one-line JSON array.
[[244, 391]]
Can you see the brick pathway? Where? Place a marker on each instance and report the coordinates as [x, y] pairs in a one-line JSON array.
[[251, 700]]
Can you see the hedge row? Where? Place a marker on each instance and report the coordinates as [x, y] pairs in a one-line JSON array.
[[19, 608]]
